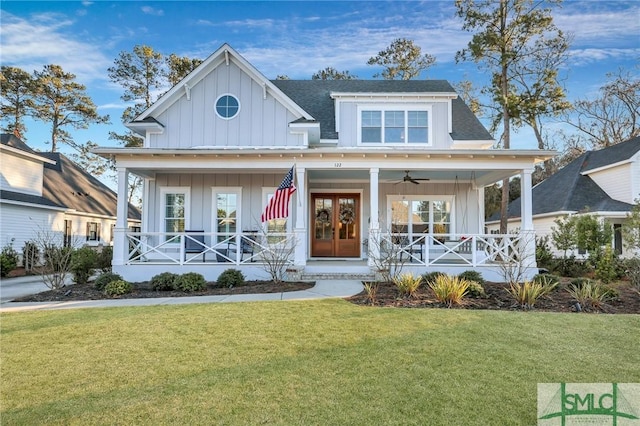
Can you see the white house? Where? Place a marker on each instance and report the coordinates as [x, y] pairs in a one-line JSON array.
[[604, 183], [378, 164], [46, 192]]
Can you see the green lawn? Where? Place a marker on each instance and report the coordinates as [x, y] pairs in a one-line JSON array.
[[317, 362]]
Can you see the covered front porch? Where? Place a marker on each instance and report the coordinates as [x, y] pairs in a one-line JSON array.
[[349, 206]]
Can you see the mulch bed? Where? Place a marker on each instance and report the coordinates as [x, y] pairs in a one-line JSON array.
[[143, 290], [498, 298]]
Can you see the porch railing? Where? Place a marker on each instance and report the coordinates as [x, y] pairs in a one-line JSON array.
[[182, 248], [446, 249]]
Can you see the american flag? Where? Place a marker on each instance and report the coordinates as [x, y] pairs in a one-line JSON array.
[[278, 205]]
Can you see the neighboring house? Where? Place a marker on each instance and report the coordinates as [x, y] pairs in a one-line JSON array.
[[45, 192], [604, 183], [398, 165]]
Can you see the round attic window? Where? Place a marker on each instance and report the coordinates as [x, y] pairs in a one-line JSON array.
[[227, 106]]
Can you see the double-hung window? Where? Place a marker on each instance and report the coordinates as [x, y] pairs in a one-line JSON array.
[[93, 231], [174, 211], [394, 125]]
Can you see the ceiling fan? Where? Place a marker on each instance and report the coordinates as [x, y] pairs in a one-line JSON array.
[[408, 178]]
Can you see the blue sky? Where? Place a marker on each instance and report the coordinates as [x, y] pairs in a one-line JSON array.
[[296, 38]]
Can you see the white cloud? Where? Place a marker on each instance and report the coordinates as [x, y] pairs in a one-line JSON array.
[[148, 10], [30, 44]]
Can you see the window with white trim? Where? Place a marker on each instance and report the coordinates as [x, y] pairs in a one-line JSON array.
[[419, 214], [394, 125], [93, 231], [174, 209], [227, 208]]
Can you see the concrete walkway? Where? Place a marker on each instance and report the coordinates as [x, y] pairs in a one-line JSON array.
[[18, 287]]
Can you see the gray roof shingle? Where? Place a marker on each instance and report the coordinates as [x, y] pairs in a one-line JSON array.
[[65, 184], [571, 190], [314, 96]]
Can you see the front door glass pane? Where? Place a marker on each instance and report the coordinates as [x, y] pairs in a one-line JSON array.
[[323, 218], [347, 223]]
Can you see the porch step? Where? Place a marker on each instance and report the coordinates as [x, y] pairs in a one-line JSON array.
[[348, 276]]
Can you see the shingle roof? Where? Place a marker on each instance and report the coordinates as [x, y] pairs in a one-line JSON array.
[[314, 96], [570, 189], [69, 185], [27, 198], [65, 184], [613, 154]]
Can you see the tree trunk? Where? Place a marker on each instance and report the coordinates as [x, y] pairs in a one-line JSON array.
[[504, 89]]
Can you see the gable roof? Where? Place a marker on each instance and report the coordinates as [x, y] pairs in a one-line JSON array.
[[570, 189], [67, 185], [314, 96], [223, 54], [613, 154]]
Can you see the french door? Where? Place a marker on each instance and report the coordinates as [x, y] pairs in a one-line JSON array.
[[335, 225]]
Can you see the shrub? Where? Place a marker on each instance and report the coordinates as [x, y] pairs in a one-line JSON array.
[[407, 284], [579, 282], [472, 276], [30, 255], [632, 271], [476, 290], [230, 278], [165, 281], [104, 259], [371, 289], [569, 267], [191, 281], [83, 263], [606, 266], [8, 260], [430, 277], [117, 288], [544, 256], [591, 295], [104, 279], [549, 282], [449, 290], [526, 294]]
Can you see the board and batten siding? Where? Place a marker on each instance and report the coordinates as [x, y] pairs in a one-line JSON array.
[[348, 131], [202, 205], [21, 175], [194, 123], [616, 182]]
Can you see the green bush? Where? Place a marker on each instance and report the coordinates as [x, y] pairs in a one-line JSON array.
[[579, 282], [165, 281], [544, 255], [471, 275], [430, 277], [30, 255], [632, 271], [117, 288], [549, 282], [230, 278], [8, 260], [476, 290], [101, 282], [606, 266], [569, 267], [407, 284], [449, 290], [83, 263], [191, 281], [104, 259]]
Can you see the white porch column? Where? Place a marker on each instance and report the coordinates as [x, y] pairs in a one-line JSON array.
[[526, 205], [300, 230], [374, 220], [526, 217], [120, 246]]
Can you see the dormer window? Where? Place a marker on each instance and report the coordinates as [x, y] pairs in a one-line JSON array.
[[394, 125], [227, 106]]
